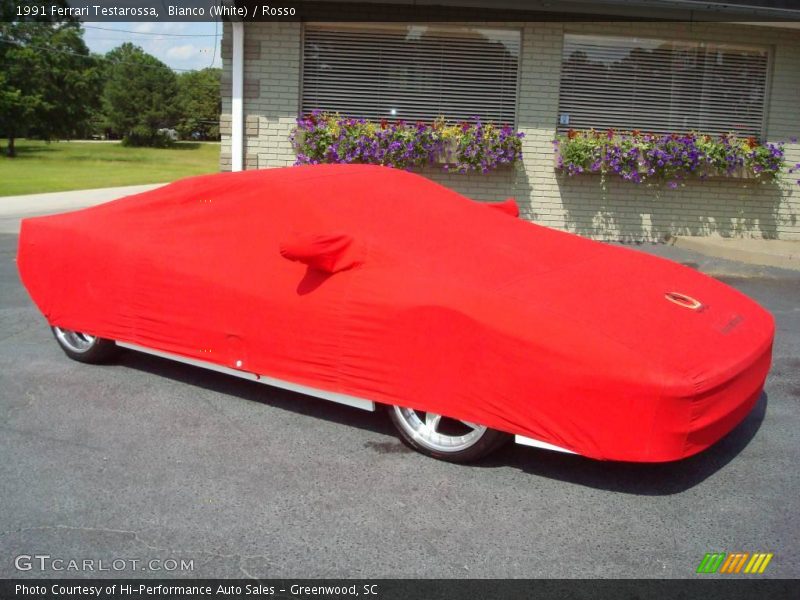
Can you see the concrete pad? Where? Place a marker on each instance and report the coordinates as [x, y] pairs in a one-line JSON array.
[[15, 208], [784, 254]]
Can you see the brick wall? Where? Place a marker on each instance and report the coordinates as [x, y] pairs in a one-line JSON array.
[[271, 93], [620, 211]]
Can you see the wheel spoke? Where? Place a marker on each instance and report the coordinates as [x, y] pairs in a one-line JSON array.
[[432, 421], [474, 426]]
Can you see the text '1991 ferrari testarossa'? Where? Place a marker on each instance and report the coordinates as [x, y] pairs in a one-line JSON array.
[[364, 284]]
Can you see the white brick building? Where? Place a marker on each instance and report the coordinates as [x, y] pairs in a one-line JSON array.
[[273, 98]]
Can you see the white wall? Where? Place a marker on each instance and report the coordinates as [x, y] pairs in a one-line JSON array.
[[625, 210]]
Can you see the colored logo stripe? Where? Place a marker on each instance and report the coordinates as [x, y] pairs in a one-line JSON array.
[[734, 562], [758, 563], [721, 562], [711, 562]]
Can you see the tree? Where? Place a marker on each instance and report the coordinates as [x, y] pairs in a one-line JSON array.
[[199, 103], [17, 107], [139, 97], [49, 83]]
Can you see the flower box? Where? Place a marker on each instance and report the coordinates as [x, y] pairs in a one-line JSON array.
[[636, 157], [703, 173], [463, 147]]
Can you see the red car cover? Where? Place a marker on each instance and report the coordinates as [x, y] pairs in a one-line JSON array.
[[383, 285]]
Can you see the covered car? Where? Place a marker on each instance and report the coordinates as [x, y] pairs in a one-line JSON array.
[[366, 284]]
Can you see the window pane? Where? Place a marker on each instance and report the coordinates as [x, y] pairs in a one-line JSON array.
[[662, 86], [412, 73]]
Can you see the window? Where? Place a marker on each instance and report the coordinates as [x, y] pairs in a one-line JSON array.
[[662, 86], [414, 72]]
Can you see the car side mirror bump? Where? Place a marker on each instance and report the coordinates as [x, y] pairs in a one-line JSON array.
[[508, 206], [327, 252]]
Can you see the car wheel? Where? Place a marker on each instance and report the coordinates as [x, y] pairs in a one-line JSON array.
[[84, 347], [445, 438]]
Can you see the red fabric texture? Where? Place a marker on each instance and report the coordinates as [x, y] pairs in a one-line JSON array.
[[508, 206], [420, 297], [327, 252]]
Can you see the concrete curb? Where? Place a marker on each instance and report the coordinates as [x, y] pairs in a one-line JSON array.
[[771, 253], [56, 201], [15, 208]]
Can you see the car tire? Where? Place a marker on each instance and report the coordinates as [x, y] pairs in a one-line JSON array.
[[83, 347], [444, 438]]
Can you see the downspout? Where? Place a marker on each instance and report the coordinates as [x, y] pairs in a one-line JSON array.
[[237, 97]]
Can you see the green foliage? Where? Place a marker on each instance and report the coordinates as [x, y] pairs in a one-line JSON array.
[[637, 157], [140, 137], [139, 97], [199, 103], [51, 87], [58, 166], [49, 83], [330, 138]]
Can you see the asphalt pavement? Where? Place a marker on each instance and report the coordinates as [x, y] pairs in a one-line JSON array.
[[148, 460]]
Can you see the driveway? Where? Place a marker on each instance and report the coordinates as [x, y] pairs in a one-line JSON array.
[[149, 460]]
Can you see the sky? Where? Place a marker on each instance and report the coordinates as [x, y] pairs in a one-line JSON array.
[[182, 46]]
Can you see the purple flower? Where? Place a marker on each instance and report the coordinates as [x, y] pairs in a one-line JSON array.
[[402, 145]]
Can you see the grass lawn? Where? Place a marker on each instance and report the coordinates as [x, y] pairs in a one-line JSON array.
[[60, 166]]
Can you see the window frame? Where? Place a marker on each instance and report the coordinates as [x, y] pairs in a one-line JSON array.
[[768, 75], [360, 27]]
